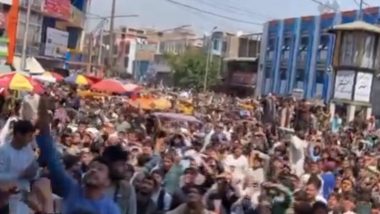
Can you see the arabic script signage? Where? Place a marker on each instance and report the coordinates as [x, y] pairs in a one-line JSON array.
[[344, 84], [363, 87]]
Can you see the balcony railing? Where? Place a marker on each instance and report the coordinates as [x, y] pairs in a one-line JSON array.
[[31, 49], [38, 49], [36, 5]]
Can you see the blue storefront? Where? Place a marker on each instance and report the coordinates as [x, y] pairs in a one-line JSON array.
[[298, 53]]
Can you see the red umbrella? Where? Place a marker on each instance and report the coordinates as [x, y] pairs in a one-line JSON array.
[[110, 86], [38, 88], [57, 76], [93, 78]]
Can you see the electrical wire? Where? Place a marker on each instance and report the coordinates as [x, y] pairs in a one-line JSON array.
[[233, 9], [213, 13], [364, 11], [323, 4]]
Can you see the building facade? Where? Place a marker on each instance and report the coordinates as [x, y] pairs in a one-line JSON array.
[[297, 53], [55, 29]]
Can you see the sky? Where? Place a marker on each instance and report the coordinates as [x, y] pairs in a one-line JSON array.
[[162, 14]]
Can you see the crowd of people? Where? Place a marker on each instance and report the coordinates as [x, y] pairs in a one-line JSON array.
[[62, 153]]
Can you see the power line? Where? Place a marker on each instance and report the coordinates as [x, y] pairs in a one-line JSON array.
[[363, 9], [116, 16], [212, 13], [233, 9], [323, 4]]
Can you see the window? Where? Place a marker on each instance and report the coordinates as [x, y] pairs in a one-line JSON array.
[[320, 76], [268, 72], [270, 49], [304, 43], [215, 45], [323, 48], [283, 74], [303, 48], [286, 49], [300, 75]]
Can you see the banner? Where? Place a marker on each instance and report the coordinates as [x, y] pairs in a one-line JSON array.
[[243, 78], [56, 43], [58, 8]]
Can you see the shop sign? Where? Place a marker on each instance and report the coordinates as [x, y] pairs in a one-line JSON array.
[[344, 84], [363, 87], [56, 43], [58, 8], [76, 17]]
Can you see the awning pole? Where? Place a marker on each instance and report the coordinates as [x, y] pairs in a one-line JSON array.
[[26, 32]]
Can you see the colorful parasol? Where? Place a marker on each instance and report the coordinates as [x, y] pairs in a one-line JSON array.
[[78, 79], [20, 82], [149, 103], [48, 77], [130, 87], [110, 86], [56, 76]]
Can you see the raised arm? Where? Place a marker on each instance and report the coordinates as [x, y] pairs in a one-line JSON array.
[[49, 154]]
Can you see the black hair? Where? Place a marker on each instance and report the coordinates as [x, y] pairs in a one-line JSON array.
[[101, 160], [115, 153], [23, 127], [314, 180], [151, 178], [70, 160], [143, 159], [302, 208], [320, 206]]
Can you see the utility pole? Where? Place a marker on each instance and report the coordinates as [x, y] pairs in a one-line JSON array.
[[111, 34], [25, 39], [361, 5], [100, 47], [208, 60], [90, 50]]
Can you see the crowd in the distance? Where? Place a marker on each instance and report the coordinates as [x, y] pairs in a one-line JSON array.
[[61, 153]]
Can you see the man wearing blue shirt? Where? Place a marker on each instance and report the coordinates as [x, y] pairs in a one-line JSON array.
[[88, 197]]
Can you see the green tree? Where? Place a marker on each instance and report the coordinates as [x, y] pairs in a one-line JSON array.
[[189, 69]]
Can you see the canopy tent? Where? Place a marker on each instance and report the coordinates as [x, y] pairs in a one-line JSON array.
[[32, 65]]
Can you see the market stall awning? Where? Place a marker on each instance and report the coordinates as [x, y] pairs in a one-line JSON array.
[[7, 2], [32, 65]]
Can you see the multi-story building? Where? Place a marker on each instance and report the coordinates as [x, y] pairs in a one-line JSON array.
[[238, 55], [297, 53], [5, 6], [171, 41], [55, 28], [229, 45], [131, 52]]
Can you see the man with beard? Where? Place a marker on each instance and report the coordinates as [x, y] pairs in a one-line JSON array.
[[145, 204], [193, 204], [122, 192], [90, 196]]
